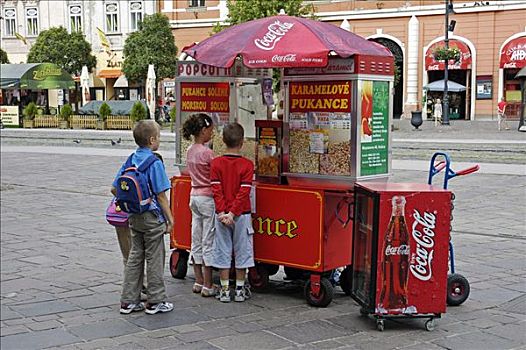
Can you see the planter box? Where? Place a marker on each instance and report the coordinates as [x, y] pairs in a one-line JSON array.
[[101, 125], [28, 124], [84, 121], [119, 122], [46, 121], [63, 124]]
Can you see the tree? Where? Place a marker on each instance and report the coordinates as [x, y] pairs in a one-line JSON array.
[[153, 44], [3, 57], [243, 10], [69, 51], [138, 112]]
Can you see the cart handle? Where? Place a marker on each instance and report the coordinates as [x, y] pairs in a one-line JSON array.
[[469, 170], [437, 166]]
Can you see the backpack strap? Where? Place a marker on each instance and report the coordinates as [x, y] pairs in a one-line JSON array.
[[128, 163], [147, 162]]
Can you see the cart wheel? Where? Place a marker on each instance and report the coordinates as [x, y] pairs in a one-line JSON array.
[[325, 296], [430, 324], [258, 278], [380, 325], [179, 263], [293, 273], [271, 269], [346, 280], [457, 289]]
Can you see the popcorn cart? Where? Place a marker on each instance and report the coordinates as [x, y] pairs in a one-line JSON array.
[[334, 132]]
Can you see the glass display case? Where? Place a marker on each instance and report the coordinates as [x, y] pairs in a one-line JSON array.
[[268, 150]]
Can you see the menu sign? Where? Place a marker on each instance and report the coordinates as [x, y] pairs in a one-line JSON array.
[[322, 96], [205, 97], [374, 127], [9, 115]]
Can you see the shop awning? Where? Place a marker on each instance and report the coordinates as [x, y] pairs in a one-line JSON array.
[[35, 76], [522, 73], [121, 82], [110, 73], [439, 86], [463, 63], [513, 54]]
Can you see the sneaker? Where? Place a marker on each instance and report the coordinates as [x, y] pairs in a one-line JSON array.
[[128, 308], [159, 307], [208, 292], [224, 295], [242, 294]]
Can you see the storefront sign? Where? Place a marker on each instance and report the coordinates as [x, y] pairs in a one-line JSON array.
[[463, 63], [513, 54], [374, 127], [320, 96], [335, 66], [205, 97], [9, 115], [194, 69], [484, 87]]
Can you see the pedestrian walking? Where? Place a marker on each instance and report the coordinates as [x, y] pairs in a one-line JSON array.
[[501, 114], [231, 179], [437, 111], [143, 176], [198, 159]]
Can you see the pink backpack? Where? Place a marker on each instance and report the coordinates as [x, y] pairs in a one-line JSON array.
[[115, 216]]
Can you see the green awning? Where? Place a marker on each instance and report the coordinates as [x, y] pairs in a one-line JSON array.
[[35, 76]]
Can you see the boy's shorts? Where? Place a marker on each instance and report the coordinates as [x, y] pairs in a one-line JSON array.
[[240, 237], [203, 214]]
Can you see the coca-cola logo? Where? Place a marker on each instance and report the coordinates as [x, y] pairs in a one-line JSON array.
[[401, 250], [423, 234], [291, 57], [276, 31]]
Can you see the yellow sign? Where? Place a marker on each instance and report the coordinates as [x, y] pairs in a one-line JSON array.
[[275, 227], [9, 115]]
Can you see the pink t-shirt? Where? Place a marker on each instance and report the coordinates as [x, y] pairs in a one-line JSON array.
[[198, 160]]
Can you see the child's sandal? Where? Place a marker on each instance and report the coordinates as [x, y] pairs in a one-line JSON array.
[[197, 288]]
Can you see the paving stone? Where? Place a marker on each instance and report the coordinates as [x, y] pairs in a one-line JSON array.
[[44, 308], [8, 330], [38, 340], [259, 340], [168, 319], [113, 328], [205, 335], [514, 332], [310, 331], [6, 313], [476, 341], [40, 326]]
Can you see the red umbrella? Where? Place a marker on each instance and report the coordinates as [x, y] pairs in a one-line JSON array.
[[281, 41]]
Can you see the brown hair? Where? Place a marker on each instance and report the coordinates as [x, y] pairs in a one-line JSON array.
[[233, 135], [144, 130], [195, 123]]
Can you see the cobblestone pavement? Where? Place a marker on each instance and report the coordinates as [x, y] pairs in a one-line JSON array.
[[61, 272]]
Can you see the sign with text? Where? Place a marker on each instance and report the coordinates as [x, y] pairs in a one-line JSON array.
[[320, 96], [205, 97], [513, 54], [374, 127], [9, 115]]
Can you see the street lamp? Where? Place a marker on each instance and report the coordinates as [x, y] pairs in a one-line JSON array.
[[448, 27]]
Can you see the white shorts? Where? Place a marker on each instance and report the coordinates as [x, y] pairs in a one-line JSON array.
[[239, 238], [203, 214]]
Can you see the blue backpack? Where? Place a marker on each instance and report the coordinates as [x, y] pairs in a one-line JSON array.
[[134, 194]]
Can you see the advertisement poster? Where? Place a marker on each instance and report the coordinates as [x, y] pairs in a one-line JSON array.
[[205, 97], [9, 115], [374, 127]]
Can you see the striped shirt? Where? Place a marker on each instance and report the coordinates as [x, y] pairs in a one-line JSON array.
[[231, 179]]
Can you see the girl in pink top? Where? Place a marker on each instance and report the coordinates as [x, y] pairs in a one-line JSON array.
[[198, 158]]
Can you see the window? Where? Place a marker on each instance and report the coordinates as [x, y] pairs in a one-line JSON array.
[[112, 19], [32, 21], [75, 18], [196, 3], [10, 22], [136, 14]]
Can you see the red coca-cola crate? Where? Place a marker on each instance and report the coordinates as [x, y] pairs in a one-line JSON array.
[[400, 250]]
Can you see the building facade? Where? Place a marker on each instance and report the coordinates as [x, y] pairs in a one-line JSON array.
[[491, 37], [105, 24]]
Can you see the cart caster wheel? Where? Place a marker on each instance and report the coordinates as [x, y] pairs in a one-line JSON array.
[[293, 273], [457, 289], [430, 324], [346, 280], [363, 312], [271, 269], [325, 296], [258, 278], [380, 325], [179, 263]]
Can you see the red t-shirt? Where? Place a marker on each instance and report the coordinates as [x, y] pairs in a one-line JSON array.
[[231, 180], [501, 105]]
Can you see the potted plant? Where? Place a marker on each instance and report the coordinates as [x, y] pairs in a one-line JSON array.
[[29, 113], [104, 112], [65, 114], [443, 54], [138, 112]]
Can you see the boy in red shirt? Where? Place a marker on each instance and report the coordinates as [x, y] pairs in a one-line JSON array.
[[501, 114], [231, 180]]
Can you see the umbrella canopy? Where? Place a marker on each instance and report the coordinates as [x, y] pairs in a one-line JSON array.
[[84, 83], [439, 86], [281, 41], [150, 90], [522, 73], [35, 76]]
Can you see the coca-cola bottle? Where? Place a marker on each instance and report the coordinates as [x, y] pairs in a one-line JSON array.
[[395, 260]]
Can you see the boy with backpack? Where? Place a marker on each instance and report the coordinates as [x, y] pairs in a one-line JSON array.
[[231, 179], [140, 189]]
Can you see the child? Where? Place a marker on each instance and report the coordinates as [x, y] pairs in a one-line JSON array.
[[198, 159], [231, 179], [147, 229]]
